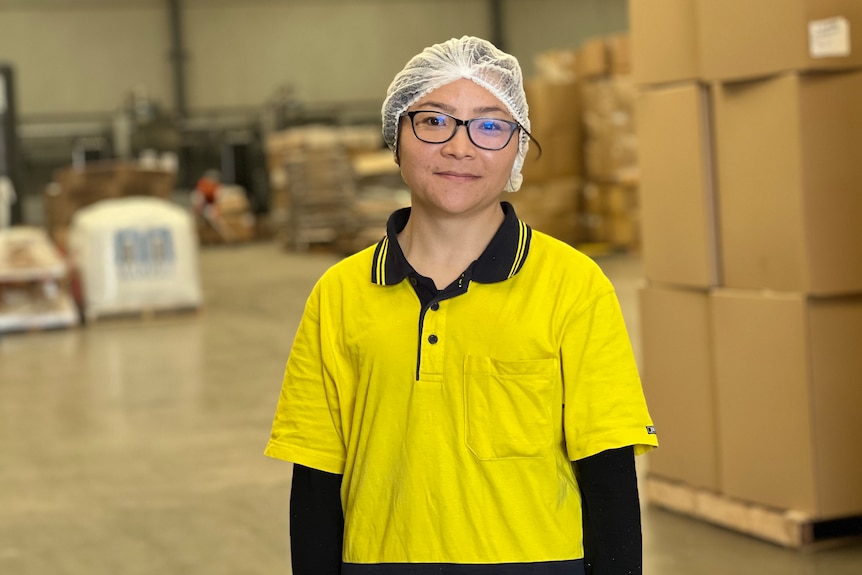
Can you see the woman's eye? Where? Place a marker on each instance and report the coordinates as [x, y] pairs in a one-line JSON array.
[[490, 126]]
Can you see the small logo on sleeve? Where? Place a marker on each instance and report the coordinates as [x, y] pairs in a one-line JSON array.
[[650, 429]]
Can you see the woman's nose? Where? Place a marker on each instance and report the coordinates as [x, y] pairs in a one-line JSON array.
[[460, 144]]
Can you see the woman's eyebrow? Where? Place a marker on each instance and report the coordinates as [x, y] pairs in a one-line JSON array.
[[487, 109], [451, 110], [438, 106]]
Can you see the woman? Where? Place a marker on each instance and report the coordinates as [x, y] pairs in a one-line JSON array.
[[462, 397]]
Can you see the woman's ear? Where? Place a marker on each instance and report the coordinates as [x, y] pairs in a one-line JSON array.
[[397, 149]]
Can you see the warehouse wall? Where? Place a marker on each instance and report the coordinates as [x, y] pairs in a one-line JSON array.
[[537, 25], [84, 56], [328, 50]]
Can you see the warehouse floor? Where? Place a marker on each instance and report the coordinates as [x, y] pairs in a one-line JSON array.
[[134, 447]]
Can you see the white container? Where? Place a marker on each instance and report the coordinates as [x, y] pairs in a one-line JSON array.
[[135, 254]]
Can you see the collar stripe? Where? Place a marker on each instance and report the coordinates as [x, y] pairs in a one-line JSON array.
[[523, 238], [381, 261], [378, 263]]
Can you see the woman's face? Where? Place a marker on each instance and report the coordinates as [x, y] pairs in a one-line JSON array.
[[456, 177]]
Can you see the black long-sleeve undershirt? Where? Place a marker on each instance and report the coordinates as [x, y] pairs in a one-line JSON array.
[[613, 543], [611, 509], [316, 522]]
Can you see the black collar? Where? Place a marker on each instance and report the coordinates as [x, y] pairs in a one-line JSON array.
[[502, 259]]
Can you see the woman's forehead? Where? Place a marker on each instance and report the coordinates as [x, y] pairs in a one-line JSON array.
[[461, 95]]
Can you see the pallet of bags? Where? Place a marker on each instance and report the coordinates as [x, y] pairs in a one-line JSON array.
[[135, 255]]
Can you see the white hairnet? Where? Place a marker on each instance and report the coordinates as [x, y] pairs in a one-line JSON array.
[[471, 58]]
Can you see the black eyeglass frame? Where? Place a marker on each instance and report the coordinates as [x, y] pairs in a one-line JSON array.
[[466, 123]]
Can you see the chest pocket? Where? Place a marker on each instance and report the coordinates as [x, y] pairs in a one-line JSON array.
[[508, 406]]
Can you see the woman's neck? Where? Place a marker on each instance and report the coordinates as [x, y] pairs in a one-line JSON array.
[[441, 248]]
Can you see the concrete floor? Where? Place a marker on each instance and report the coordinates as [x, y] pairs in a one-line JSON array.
[[135, 447]]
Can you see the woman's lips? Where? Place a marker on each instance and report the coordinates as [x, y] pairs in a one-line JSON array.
[[458, 175]]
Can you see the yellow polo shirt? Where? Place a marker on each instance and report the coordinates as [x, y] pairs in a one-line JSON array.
[[454, 424]]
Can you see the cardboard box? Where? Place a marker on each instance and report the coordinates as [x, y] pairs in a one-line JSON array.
[[608, 97], [239, 227], [619, 54], [87, 185], [593, 198], [561, 157], [555, 122], [787, 375], [231, 200], [622, 199], [358, 139], [612, 158], [594, 228], [56, 206], [76, 187], [790, 174], [558, 66], [623, 230], [140, 182], [679, 384], [551, 207], [744, 39], [111, 179], [593, 59], [553, 104], [664, 43], [677, 188], [610, 148]]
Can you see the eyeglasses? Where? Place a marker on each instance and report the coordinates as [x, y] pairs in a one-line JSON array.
[[486, 133]]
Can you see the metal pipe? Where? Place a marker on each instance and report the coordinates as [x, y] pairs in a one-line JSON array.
[[10, 159], [178, 55], [498, 36]]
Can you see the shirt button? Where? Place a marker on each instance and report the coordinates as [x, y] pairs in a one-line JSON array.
[[413, 281], [435, 306], [432, 339]]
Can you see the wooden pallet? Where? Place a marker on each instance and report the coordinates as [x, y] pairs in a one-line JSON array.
[[788, 528]]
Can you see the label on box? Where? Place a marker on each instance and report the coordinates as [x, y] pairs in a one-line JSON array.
[[829, 38]]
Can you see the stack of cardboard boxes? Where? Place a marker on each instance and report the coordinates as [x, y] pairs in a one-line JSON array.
[[313, 187], [76, 187], [611, 210], [583, 187], [379, 192], [750, 126], [227, 219], [549, 199]]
